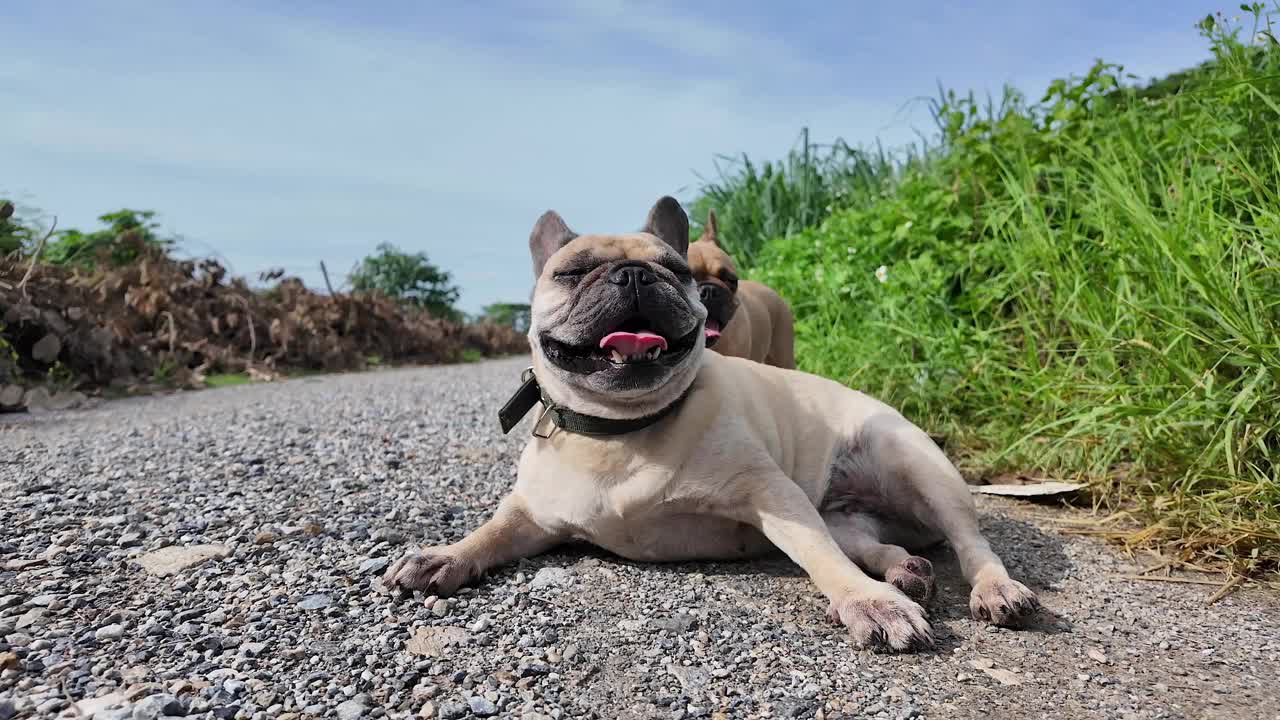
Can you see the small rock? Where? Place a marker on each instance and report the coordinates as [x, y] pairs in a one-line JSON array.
[[153, 706], [265, 537], [1004, 677], [114, 631], [533, 669], [130, 539], [440, 608], [11, 396], [46, 349], [551, 577], [451, 711], [431, 641], [351, 710], [1098, 655], [34, 616], [692, 679], [480, 625], [374, 565], [482, 707], [680, 622], [318, 601], [119, 712], [428, 710], [174, 559]]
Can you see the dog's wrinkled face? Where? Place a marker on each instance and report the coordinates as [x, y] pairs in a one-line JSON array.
[[617, 325], [716, 277]]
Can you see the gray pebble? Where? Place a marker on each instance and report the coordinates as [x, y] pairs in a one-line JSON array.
[[109, 632], [315, 602], [451, 710], [482, 707], [153, 706], [351, 710]]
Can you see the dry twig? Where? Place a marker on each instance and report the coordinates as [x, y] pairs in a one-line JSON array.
[[35, 257], [1225, 590], [1169, 579]]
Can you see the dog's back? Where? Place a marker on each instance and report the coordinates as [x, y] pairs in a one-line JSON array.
[[762, 329]]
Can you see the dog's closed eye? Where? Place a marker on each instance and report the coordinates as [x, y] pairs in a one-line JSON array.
[[569, 275]]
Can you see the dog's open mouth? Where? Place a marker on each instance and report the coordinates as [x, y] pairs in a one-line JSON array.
[[632, 344], [712, 331], [627, 346]]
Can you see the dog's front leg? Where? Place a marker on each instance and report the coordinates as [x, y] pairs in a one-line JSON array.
[[509, 535], [875, 612]]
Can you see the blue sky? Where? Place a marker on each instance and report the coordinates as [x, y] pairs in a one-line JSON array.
[[279, 134]]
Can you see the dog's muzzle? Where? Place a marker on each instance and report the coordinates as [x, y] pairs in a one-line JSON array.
[[713, 294]]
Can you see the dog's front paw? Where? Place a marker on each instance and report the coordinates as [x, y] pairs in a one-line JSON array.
[[914, 577], [1002, 602], [883, 618], [433, 570]]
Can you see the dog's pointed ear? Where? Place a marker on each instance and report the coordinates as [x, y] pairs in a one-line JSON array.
[[711, 231], [668, 221], [549, 234]]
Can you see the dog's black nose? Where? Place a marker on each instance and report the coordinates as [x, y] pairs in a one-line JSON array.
[[632, 275], [710, 292]]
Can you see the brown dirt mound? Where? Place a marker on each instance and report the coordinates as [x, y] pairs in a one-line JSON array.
[[166, 321]]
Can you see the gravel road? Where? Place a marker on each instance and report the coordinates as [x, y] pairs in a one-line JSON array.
[[281, 504]]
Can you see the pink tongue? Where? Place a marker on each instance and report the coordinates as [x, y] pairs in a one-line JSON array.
[[629, 343], [712, 329]]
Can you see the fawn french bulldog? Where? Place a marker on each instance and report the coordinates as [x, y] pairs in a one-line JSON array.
[[652, 448], [744, 318]]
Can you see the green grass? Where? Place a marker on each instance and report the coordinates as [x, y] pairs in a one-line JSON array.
[[471, 355], [1085, 287], [226, 380]]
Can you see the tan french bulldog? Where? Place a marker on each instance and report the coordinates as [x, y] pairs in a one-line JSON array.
[[745, 319], [653, 449]]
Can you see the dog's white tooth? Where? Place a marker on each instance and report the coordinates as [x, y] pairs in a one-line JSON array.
[[618, 357]]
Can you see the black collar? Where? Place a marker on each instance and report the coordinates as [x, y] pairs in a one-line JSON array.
[[568, 420]]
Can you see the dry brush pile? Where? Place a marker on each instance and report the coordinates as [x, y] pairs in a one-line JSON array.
[[159, 321]]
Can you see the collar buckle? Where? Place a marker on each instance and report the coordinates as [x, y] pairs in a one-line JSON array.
[[547, 407]]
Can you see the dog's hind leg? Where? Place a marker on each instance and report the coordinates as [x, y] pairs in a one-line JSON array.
[[861, 537], [916, 479]]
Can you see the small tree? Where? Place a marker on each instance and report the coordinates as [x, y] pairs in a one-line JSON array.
[[14, 235], [513, 315], [126, 235], [408, 278]]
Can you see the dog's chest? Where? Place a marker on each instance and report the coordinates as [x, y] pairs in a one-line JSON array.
[[644, 515]]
